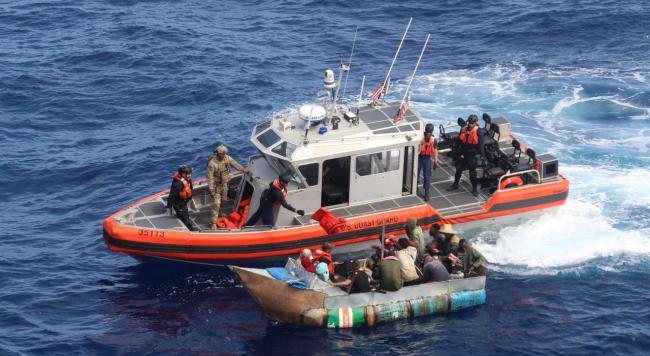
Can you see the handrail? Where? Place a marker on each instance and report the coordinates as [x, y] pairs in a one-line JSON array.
[[513, 174]]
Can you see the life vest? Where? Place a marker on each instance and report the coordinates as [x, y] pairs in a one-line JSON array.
[[511, 182], [277, 185], [428, 148], [186, 193], [330, 223], [320, 253], [236, 219], [469, 137]]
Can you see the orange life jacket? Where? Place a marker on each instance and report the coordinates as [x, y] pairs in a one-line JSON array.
[[511, 182], [320, 253], [428, 148], [330, 223], [469, 137], [280, 187], [186, 193]]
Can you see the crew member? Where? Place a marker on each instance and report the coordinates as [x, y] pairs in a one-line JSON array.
[[218, 178], [470, 146], [427, 153], [273, 196], [179, 194]]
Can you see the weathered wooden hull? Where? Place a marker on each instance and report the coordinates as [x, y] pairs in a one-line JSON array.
[[329, 308]]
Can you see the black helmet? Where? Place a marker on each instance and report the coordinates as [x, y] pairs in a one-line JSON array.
[[285, 178], [472, 119], [185, 169], [428, 128]]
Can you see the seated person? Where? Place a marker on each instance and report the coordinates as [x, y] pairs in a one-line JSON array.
[[407, 255], [322, 269], [359, 281], [474, 262], [388, 273], [434, 270], [414, 233], [306, 261]]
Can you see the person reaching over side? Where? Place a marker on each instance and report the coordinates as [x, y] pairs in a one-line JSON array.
[[274, 196]]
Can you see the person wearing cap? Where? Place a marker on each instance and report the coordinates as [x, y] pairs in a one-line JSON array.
[[427, 155], [218, 178], [274, 195], [471, 144], [180, 194], [449, 248], [474, 262]]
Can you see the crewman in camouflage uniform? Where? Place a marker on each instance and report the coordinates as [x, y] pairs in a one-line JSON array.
[[218, 177]]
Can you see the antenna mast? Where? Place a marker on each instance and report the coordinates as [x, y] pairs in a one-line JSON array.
[[354, 41], [390, 69], [406, 93]]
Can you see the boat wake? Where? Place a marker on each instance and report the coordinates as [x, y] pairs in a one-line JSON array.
[[603, 224]]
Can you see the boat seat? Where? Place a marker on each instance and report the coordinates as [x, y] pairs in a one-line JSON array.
[[492, 136]]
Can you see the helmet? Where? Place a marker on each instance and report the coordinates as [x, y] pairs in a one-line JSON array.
[[428, 128], [472, 119], [285, 178], [185, 169], [221, 149]]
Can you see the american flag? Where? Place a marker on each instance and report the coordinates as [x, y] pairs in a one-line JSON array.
[[377, 93], [402, 110]]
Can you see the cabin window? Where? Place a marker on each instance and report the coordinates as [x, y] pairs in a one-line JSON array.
[[310, 173], [262, 126], [379, 162], [268, 138], [284, 149]]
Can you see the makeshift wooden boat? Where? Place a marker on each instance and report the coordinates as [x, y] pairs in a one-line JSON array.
[[321, 304]]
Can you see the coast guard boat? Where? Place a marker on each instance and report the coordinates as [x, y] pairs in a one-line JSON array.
[[358, 161]]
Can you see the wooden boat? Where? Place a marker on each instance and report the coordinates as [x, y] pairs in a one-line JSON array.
[[324, 305]]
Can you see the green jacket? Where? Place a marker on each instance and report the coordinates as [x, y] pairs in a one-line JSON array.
[[391, 278], [418, 238], [473, 258]]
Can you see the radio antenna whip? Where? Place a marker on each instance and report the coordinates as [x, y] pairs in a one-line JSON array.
[[354, 41], [395, 58]]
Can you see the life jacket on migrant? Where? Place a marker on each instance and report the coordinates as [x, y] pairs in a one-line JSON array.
[[320, 253], [511, 182], [186, 192], [428, 148], [469, 137]]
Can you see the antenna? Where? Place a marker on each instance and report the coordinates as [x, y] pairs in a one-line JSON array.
[[342, 68], [408, 88], [354, 41], [363, 81], [395, 58]]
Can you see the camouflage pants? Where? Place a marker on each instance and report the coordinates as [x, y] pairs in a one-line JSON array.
[[220, 194]]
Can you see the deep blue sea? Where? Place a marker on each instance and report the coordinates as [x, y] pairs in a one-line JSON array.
[[100, 101]]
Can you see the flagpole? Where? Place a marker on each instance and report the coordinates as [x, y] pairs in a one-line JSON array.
[[390, 69], [354, 41], [408, 87]]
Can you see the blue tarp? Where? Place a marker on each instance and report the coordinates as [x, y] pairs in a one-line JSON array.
[[280, 273]]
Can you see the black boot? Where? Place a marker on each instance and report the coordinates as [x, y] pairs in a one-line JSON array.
[[426, 195], [452, 187], [474, 191]]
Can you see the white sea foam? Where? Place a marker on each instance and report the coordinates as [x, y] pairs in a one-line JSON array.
[[580, 232], [567, 238]]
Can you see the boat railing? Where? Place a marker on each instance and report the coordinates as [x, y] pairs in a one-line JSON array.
[[518, 173]]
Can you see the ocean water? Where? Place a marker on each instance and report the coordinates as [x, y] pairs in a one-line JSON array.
[[100, 101]]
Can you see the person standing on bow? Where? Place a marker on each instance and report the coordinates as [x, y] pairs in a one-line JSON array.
[[271, 197], [427, 155], [471, 144], [180, 194], [218, 178]]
